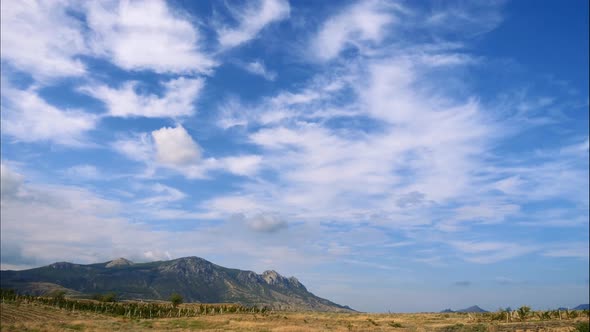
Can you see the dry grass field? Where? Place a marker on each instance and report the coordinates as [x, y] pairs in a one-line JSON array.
[[39, 317]]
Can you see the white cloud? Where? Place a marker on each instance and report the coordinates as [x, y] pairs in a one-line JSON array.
[[175, 147], [146, 35], [571, 250], [164, 194], [177, 100], [28, 118], [361, 23], [83, 172], [242, 165], [40, 38], [491, 252], [138, 147], [257, 68], [251, 20], [265, 223], [10, 182]]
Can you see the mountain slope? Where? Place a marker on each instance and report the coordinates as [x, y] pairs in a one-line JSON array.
[[196, 279], [582, 307]]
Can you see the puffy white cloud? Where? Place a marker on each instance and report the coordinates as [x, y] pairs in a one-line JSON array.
[[39, 37], [28, 118], [175, 147], [363, 22], [146, 35], [251, 20], [177, 100]]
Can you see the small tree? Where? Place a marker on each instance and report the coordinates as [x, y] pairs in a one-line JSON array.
[[523, 312], [176, 299]]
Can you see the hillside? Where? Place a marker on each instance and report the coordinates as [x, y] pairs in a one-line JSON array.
[[196, 279]]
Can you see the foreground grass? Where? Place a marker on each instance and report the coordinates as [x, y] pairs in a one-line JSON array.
[[38, 317]]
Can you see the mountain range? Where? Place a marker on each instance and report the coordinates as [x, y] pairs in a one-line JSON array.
[[196, 279]]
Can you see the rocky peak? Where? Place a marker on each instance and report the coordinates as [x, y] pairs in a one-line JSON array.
[[188, 266], [119, 262], [272, 277]]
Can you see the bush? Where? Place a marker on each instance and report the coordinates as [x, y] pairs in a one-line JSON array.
[[523, 312], [108, 297], [176, 299], [582, 327]]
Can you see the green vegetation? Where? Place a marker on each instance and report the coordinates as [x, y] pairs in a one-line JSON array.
[[108, 297], [523, 312], [176, 299], [582, 327], [130, 309]]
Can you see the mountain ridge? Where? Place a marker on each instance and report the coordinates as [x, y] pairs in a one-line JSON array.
[[195, 278]]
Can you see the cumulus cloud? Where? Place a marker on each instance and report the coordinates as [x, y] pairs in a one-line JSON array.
[[251, 20], [174, 146], [40, 38], [146, 35], [29, 118], [125, 101]]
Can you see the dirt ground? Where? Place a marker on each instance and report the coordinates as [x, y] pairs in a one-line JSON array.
[[36, 317]]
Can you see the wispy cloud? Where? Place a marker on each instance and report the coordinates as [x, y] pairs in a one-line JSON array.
[[125, 101], [251, 19], [257, 67], [29, 118], [39, 37]]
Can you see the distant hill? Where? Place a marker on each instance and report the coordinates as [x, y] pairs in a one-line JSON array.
[[196, 279], [472, 309], [582, 307]]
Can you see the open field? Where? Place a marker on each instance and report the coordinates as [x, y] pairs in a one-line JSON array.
[[39, 317]]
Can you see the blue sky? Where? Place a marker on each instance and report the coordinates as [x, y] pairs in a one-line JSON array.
[[402, 156]]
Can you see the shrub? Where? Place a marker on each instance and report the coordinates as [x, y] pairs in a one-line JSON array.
[[582, 327], [523, 312], [176, 299], [108, 297]]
